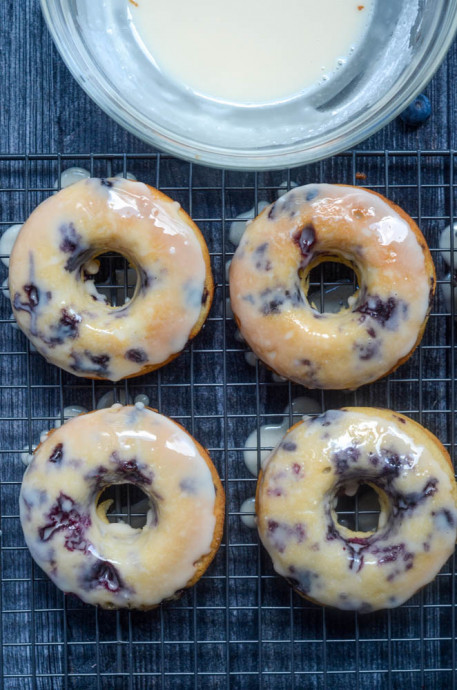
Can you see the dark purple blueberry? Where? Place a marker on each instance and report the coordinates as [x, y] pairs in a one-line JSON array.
[[32, 293], [374, 459], [371, 332], [188, 485], [343, 458], [299, 532], [332, 532], [444, 518], [63, 516], [283, 533], [272, 212], [410, 500], [129, 470], [70, 238], [390, 554], [417, 112], [87, 363], [301, 580], [289, 446], [69, 324], [57, 454], [430, 488], [272, 306], [306, 362], [311, 194], [295, 297], [306, 239], [261, 249], [105, 183], [205, 295], [392, 463], [379, 310], [136, 355], [100, 360], [146, 280], [80, 256], [272, 525], [104, 574], [98, 475], [367, 351], [360, 541], [33, 299], [356, 560]]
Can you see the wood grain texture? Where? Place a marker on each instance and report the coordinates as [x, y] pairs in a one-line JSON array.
[[240, 627]]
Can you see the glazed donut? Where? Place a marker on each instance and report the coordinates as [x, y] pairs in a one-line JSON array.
[[269, 278], [112, 564], [330, 564], [57, 305]]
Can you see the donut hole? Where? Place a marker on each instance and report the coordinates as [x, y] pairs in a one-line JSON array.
[[130, 505], [330, 285], [358, 508], [110, 277]]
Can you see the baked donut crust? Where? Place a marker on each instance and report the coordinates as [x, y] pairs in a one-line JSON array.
[[112, 564], [329, 564], [386, 318], [54, 298]]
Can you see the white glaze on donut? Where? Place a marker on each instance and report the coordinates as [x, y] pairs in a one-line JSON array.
[[331, 564], [385, 318], [115, 565], [55, 302]]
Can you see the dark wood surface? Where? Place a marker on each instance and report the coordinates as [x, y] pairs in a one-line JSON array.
[[240, 627]]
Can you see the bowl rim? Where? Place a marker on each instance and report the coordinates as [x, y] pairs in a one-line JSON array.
[[349, 135]]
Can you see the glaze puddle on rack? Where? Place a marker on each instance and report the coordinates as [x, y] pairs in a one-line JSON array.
[[241, 627]]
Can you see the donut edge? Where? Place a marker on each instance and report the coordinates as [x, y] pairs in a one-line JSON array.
[[219, 513], [387, 414], [208, 285], [429, 268]]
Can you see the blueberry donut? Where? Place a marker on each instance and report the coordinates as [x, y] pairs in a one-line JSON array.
[[54, 298], [326, 562], [269, 278], [112, 564]]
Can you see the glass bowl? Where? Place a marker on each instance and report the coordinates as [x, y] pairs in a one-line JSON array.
[[403, 47]]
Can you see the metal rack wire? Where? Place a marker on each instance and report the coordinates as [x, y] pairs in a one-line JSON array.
[[240, 626]]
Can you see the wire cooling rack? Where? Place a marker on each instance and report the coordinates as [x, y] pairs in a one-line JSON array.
[[240, 627]]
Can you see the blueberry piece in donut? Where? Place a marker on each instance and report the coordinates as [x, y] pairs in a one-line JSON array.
[[444, 519], [104, 574], [32, 299], [65, 517], [136, 354], [349, 225], [301, 580], [57, 454], [87, 363], [412, 475], [262, 262], [113, 564], [71, 239], [306, 238], [157, 238], [384, 312]]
